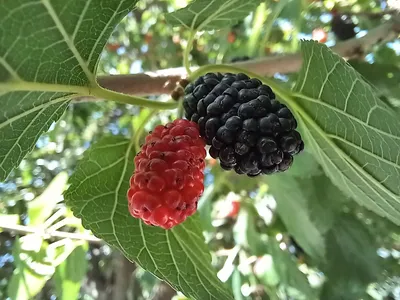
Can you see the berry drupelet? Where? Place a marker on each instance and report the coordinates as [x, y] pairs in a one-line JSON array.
[[247, 128], [168, 177]]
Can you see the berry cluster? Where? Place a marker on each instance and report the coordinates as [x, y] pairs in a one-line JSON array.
[[168, 178], [247, 128]]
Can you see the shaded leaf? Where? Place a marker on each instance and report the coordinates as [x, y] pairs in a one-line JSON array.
[[289, 273], [343, 289], [351, 250], [304, 166], [43, 66], [211, 14], [204, 208], [42, 206], [353, 133], [307, 207], [98, 195], [292, 10]]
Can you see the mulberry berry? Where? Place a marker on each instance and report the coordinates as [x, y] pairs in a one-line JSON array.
[[248, 129], [240, 58], [342, 26], [168, 177]]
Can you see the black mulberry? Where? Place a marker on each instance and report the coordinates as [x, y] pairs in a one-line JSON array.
[[342, 26], [248, 130]]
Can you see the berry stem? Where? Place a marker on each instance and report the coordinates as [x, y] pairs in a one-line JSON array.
[[181, 110], [188, 48], [103, 93], [139, 131]]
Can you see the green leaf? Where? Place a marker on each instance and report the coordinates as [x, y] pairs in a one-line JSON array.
[[245, 232], [265, 270], [344, 290], [351, 250], [98, 195], [42, 206], [204, 208], [353, 133], [32, 268], [69, 274], [9, 219], [304, 166], [289, 273], [385, 77], [237, 284], [49, 53], [292, 10], [308, 208], [211, 14]]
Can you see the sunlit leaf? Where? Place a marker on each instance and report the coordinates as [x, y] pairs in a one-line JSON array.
[[49, 52], [98, 195], [265, 270], [385, 77], [8, 220], [289, 273], [69, 275], [32, 268], [211, 14], [42, 206], [354, 135], [245, 232]]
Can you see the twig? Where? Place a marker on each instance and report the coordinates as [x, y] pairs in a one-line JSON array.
[[21, 229], [372, 15], [164, 81]]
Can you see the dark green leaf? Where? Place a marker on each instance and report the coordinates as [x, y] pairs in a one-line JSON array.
[[211, 14], [292, 10], [353, 133], [343, 289], [49, 52], [307, 207], [351, 251], [289, 273], [98, 195]]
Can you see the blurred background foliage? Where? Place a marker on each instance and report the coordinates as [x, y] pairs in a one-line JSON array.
[[255, 242]]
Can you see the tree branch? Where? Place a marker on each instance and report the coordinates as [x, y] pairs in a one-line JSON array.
[[164, 81], [123, 270], [21, 229]]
